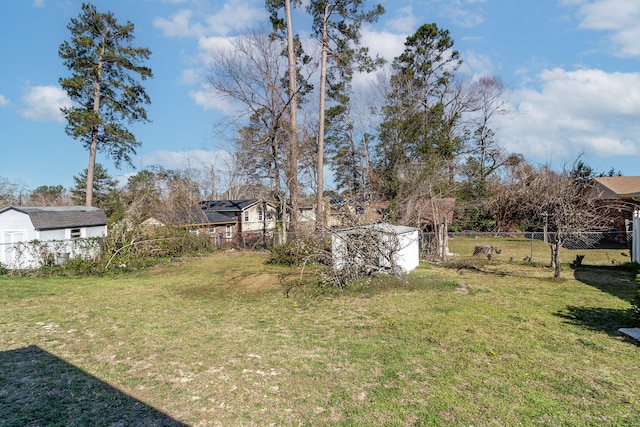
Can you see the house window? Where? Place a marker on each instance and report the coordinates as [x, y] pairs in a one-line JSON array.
[[260, 214], [75, 233], [246, 216], [228, 232]]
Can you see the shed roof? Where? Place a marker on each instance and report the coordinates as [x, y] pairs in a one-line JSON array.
[[57, 217], [620, 187], [382, 227]]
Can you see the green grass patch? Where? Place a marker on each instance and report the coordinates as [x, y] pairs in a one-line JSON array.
[[217, 340]]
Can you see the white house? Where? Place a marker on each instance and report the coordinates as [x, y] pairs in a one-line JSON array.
[[237, 216], [30, 234], [397, 244]]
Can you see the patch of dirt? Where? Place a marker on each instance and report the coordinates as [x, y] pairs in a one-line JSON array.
[[248, 284], [256, 283], [462, 288]]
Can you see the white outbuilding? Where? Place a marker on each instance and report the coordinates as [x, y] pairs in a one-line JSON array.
[[394, 245], [31, 234]]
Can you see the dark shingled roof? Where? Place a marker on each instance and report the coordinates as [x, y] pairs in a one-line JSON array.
[[56, 217], [214, 217], [227, 205]]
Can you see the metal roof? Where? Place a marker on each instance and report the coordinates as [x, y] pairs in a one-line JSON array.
[[57, 217]]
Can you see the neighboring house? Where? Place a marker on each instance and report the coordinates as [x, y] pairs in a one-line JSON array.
[[57, 230], [621, 196], [625, 188], [396, 244], [228, 217]]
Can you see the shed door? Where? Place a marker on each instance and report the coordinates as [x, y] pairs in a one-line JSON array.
[[8, 250]]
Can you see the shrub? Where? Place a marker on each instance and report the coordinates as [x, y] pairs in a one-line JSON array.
[[300, 250], [142, 246]]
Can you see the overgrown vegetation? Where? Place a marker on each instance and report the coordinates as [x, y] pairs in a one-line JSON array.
[[125, 248], [300, 250]]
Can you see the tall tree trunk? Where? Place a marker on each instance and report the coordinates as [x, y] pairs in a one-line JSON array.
[[293, 135], [91, 167], [323, 83], [93, 148]]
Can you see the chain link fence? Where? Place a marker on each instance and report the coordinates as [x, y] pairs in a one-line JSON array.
[[611, 248], [591, 248]]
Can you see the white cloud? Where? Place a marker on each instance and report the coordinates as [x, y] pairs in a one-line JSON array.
[[385, 44], [43, 103], [233, 16], [179, 25], [3, 101], [180, 160], [466, 13], [208, 46], [406, 22], [38, 3], [618, 17], [209, 100], [573, 112], [475, 64], [190, 76]]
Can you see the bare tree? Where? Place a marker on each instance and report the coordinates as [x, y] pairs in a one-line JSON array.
[[511, 195], [487, 96], [11, 193], [567, 206], [251, 74]]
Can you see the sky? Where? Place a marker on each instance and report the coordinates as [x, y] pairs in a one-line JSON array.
[[571, 69]]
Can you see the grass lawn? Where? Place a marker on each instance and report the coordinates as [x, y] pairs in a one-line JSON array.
[[214, 341]]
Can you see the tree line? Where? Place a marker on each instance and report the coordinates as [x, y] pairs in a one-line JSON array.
[[422, 131]]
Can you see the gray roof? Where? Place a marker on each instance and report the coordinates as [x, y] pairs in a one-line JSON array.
[[56, 217], [228, 205], [214, 217]]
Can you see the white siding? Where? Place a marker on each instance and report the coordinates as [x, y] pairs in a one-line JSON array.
[[17, 221], [16, 227], [256, 223], [52, 235], [407, 256]]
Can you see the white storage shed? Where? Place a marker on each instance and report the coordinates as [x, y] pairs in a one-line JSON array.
[[398, 244], [57, 229]]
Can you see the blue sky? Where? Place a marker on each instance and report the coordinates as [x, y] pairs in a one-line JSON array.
[[570, 66]]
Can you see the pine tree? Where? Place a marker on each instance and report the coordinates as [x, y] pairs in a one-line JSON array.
[[104, 87]]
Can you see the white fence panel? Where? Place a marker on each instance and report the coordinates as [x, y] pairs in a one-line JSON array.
[[635, 248]]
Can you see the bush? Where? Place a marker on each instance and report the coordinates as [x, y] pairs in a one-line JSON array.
[[140, 247], [300, 250]]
